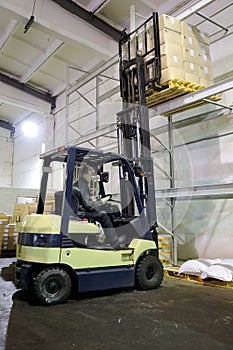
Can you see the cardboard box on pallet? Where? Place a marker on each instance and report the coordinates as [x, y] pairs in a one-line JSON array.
[[10, 228], [203, 49], [171, 49], [170, 36], [171, 73], [187, 29], [12, 241], [125, 53], [205, 73], [150, 36], [3, 242], [4, 216], [190, 55], [192, 78], [201, 36], [168, 61], [189, 42], [141, 41], [171, 55], [169, 22], [191, 68], [191, 72], [205, 83], [49, 196], [205, 60], [132, 46]]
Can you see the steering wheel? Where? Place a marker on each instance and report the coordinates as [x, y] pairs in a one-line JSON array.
[[111, 199]]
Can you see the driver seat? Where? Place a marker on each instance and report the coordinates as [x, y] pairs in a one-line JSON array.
[[59, 201]]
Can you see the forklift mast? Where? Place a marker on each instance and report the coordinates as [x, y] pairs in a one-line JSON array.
[[140, 71]]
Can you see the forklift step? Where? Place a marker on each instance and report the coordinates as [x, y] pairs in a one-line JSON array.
[[172, 272]]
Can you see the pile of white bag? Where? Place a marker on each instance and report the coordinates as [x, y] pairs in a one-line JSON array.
[[220, 269]]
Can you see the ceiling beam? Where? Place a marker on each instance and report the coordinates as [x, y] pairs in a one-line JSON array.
[[7, 125], [90, 18], [62, 25], [28, 89], [10, 29], [184, 13], [96, 6], [56, 44]]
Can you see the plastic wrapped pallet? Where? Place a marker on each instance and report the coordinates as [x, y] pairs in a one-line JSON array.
[[185, 52], [196, 50]]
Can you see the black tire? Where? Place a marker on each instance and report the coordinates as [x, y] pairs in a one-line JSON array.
[[149, 273], [52, 286]]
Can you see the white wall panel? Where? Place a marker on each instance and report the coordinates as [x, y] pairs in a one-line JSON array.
[[9, 196], [26, 160], [6, 153], [206, 230]]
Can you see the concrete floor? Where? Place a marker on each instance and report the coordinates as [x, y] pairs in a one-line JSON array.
[[178, 315]]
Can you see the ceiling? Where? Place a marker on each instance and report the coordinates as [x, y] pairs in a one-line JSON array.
[[38, 58]]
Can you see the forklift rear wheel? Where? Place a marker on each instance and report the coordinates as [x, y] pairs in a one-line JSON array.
[[52, 286], [149, 273]]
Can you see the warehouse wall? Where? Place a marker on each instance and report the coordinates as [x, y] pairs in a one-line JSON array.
[[205, 230], [210, 220], [26, 161], [6, 154], [10, 195], [203, 155]]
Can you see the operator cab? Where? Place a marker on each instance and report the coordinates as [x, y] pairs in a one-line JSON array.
[[113, 177]]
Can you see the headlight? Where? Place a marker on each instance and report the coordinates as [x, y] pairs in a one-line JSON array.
[[39, 239]]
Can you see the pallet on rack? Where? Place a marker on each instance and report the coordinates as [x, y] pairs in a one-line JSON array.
[[174, 89], [164, 246]]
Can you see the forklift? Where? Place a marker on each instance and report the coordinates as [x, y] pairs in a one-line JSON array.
[[61, 253]]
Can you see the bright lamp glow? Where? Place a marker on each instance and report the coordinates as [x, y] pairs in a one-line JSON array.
[[30, 129]]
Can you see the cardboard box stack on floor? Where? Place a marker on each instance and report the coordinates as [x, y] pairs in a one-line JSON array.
[[185, 52], [8, 234], [21, 210]]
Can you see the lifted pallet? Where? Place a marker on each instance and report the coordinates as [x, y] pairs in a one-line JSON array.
[[173, 89], [172, 272]]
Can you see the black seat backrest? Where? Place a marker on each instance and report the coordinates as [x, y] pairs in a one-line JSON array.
[[59, 201]]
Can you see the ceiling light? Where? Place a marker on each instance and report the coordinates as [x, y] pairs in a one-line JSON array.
[[30, 129]]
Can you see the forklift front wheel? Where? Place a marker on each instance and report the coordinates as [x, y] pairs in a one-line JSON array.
[[52, 286], [149, 272]]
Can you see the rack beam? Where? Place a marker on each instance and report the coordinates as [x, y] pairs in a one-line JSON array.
[[217, 191], [171, 107]]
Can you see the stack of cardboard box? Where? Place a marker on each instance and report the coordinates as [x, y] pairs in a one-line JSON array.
[[185, 52], [172, 65], [21, 210], [8, 235]]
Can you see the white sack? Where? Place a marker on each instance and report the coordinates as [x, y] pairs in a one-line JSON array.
[[219, 272], [197, 266]]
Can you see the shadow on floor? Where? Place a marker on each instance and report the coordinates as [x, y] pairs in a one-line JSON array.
[[178, 315]]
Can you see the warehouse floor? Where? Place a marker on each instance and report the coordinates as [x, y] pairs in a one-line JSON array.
[[178, 315]]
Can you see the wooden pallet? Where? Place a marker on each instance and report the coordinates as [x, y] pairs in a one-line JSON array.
[[174, 89], [5, 253], [172, 272], [164, 246]]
